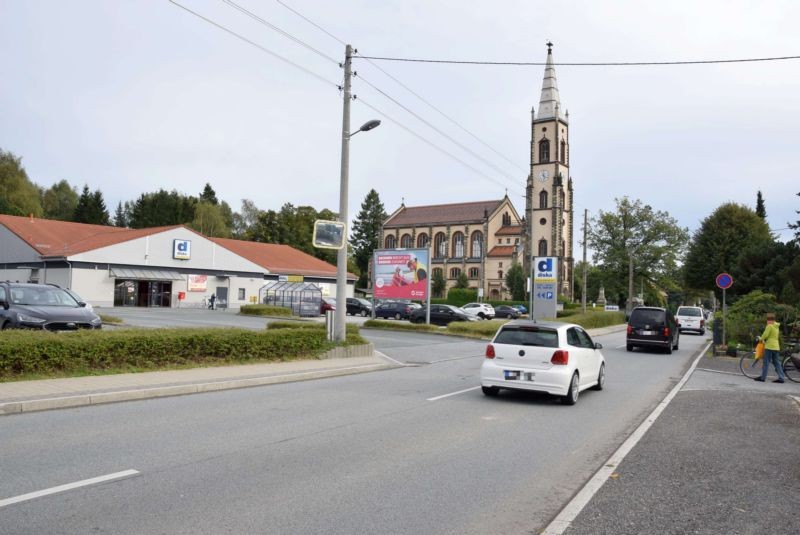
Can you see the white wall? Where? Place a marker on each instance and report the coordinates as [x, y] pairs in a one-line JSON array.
[[94, 286]]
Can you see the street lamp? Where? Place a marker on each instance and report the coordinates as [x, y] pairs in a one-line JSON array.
[[339, 330]]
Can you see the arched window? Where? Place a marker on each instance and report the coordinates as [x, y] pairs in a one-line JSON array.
[[500, 274], [455, 273], [561, 200], [506, 219], [458, 245], [473, 273], [390, 242], [543, 199], [440, 245], [422, 241], [437, 272], [406, 242], [542, 247], [477, 244], [563, 151], [544, 151]]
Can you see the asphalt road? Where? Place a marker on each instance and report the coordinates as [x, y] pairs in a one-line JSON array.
[[417, 449]]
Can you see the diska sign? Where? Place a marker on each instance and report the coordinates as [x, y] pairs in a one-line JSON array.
[[545, 270], [182, 249]]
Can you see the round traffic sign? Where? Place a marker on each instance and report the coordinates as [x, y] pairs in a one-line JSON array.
[[724, 281]]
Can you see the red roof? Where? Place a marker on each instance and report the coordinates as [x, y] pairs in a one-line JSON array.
[[436, 214], [513, 230], [502, 250], [64, 238], [280, 259]]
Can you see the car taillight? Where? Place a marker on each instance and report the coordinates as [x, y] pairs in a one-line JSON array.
[[666, 331], [560, 357], [490, 351], [702, 323], [630, 329]]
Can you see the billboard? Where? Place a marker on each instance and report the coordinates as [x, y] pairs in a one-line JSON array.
[[197, 283], [545, 293], [401, 274]]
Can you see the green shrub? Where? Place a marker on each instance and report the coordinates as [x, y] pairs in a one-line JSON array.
[[475, 329], [264, 310], [39, 352], [299, 324], [461, 296], [567, 312], [401, 326], [595, 320]]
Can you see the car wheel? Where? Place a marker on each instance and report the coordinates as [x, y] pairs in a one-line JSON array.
[[629, 347], [363, 313], [677, 341], [490, 391], [5, 326], [574, 391], [702, 333], [397, 316], [601, 378], [669, 348], [481, 315]]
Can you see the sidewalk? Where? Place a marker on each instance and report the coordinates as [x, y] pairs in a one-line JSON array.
[[27, 396]]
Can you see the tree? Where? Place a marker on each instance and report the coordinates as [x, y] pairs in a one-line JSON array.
[[719, 242], [122, 215], [59, 201], [161, 208], [438, 284], [18, 195], [462, 282], [91, 208], [245, 220], [209, 195], [769, 267], [366, 233], [796, 225], [761, 210], [515, 281], [208, 220], [653, 240]]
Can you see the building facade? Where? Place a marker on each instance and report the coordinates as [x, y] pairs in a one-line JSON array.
[[479, 239], [549, 193]]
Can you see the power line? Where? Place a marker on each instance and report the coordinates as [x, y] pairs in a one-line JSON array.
[[443, 151], [579, 64], [317, 26], [256, 45]]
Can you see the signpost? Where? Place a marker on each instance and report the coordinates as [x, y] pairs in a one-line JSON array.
[[545, 294], [724, 281]]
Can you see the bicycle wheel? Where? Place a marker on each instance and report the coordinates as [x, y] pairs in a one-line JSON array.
[[790, 368], [750, 366]]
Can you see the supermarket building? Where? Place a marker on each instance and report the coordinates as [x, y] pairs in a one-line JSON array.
[[171, 266]]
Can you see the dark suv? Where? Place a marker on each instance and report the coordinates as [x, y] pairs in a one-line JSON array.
[[393, 309], [652, 327], [358, 306], [43, 306]]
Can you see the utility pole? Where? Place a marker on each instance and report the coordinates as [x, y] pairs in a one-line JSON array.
[[585, 267], [340, 332], [629, 308]]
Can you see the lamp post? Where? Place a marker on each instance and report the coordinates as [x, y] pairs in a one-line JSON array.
[[340, 318]]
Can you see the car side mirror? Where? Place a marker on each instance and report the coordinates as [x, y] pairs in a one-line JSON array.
[[598, 345], [81, 304]]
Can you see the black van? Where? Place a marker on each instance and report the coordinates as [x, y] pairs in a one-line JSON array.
[[652, 327]]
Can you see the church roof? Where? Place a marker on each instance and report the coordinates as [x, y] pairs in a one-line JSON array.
[[549, 103], [501, 250], [513, 230], [438, 214]]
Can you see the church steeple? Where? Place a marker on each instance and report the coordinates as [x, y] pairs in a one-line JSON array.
[[549, 103]]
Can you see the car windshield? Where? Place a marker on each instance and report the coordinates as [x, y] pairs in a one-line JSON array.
[[527, 336], [689, 312], [44, 296], [363, 302]]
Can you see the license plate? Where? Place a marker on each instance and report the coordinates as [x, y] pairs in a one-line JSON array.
[[511, 375], [648, 333], [530, 376]]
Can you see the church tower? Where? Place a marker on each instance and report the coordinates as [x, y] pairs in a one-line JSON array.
[[549, 208]]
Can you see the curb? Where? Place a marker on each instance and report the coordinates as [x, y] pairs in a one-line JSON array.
[[33, 405]]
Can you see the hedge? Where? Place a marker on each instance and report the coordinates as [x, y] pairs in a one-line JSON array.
[[476, 329], [273, 325], [264, 310], [39, 352], [401, 326]]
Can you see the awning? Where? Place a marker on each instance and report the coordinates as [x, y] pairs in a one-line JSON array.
[[144, 274]]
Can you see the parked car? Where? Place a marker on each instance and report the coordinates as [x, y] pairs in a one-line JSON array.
[[358, 306], [522, 308], [553, 357], [80, 300], [441, 315], [691, 319], [394, 309], [484, 311], [652, 327], [505, 311], [326, 304], [43, 306]]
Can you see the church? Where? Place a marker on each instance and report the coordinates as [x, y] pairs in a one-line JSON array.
[[484, 238]]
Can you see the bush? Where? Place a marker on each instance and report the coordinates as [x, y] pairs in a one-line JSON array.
[[264, 310], [461, 296], [746, 318], [595, 320], [475, 329], [273, 325], [401, 326], [39, 352]]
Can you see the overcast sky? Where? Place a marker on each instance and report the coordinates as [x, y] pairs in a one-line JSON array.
[[130, 96]]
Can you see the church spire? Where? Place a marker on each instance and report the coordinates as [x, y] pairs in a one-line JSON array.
[[549, 103]]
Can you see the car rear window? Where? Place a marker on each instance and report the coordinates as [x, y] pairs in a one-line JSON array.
[[527, 336], [649, 317], [689, 312]]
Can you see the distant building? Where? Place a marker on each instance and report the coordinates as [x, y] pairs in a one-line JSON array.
[[480, 239]]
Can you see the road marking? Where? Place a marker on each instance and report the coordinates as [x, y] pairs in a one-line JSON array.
[[453, 393], [387, 357], [457, 358], [68, 486], [620, 347], [564, 519]]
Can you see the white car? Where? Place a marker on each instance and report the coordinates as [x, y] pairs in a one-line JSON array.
[[483, 311], [691, 319], [557, 358]]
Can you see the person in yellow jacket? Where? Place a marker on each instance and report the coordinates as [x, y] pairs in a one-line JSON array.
[[772, 348], [417, 268]]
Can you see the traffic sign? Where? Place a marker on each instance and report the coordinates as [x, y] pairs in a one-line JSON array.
[[724, 281]]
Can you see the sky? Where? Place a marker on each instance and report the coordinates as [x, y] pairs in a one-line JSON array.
[[129, 96]]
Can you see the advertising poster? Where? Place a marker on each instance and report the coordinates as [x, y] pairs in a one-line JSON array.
[[401, 274], [198, 283]]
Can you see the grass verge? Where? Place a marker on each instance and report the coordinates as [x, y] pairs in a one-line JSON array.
[[113, 320]]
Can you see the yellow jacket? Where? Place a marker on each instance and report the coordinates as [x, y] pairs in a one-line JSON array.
[[771, 336]]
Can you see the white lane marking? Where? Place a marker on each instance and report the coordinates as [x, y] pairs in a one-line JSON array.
[[453, 393], [68, 486], [561, 522], [387, 357], [620, 347]]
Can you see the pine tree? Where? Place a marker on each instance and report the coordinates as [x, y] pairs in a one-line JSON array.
[[82, 209], [761, 210], [91, 208], [99, 212], [365, 237], [120, 216], [209, 195]]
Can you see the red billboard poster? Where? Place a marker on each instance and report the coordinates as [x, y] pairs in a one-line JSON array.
[[401, 274]]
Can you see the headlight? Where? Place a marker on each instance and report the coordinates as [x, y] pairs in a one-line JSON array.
[[29, 319], [97, 321]]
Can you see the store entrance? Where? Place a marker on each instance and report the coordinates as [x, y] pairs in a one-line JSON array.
[[136, 293]]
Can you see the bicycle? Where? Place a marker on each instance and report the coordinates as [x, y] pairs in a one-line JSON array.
[[751, 367]]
